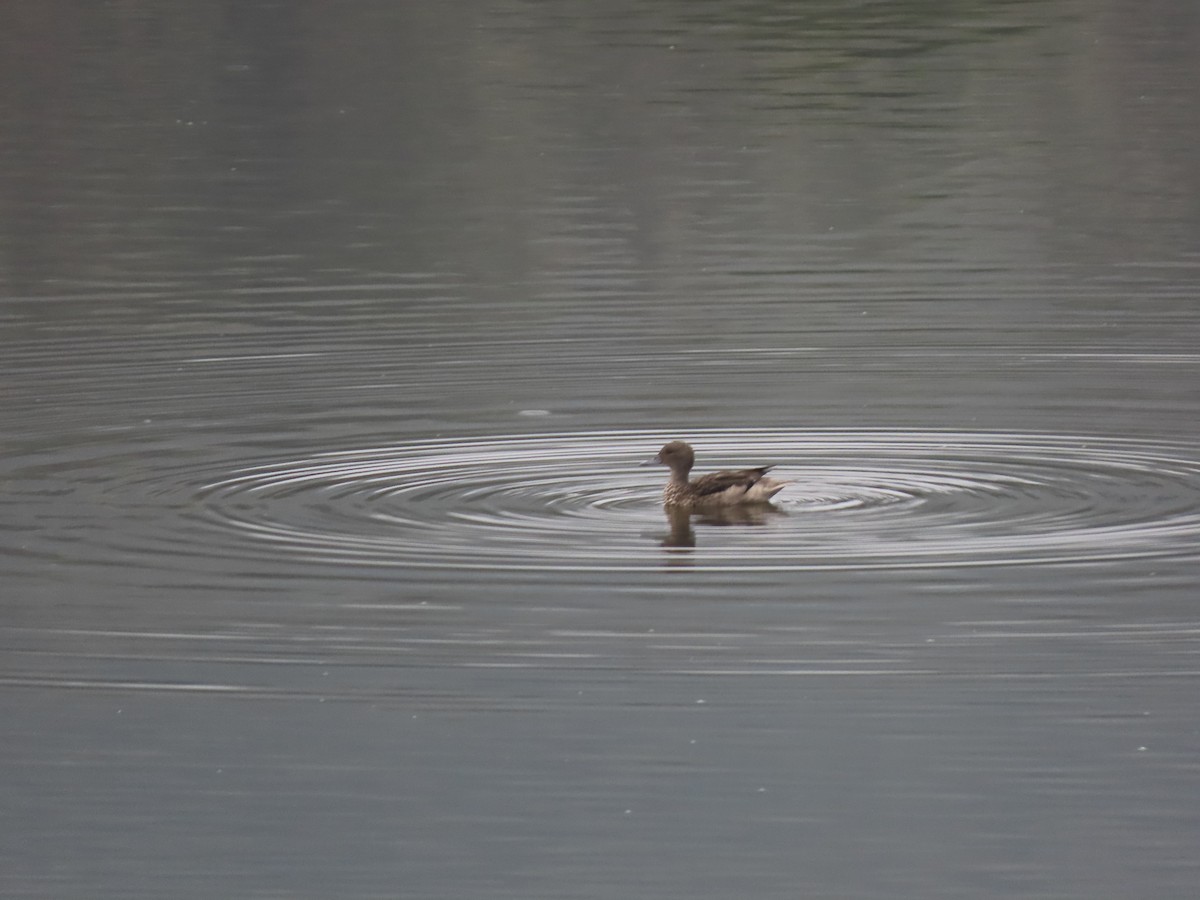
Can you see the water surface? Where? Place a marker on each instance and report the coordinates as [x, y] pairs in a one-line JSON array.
[[332, 338]]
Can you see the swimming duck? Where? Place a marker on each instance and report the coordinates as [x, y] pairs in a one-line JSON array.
[[715, 489]]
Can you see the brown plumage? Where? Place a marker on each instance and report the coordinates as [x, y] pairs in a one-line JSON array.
[[715, 489]]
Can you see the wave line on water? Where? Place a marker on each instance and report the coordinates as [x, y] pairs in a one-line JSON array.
[[868, 498]]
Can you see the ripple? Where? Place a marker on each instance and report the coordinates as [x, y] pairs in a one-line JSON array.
[[861, 499]]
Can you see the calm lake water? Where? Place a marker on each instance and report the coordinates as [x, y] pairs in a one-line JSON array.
[[333, 335]]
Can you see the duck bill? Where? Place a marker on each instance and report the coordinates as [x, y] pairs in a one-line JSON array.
[[652, 461]]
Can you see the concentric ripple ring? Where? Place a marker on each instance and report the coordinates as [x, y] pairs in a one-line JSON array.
[[860, 499]]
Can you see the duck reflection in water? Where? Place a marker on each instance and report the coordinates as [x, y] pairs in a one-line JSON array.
[[680, 520], [732, 497]]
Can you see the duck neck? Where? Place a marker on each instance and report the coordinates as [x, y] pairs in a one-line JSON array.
[[679, 475]]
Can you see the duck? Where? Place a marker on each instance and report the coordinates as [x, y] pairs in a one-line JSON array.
[[714, 490]]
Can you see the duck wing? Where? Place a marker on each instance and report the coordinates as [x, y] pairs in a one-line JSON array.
[[719, 482]]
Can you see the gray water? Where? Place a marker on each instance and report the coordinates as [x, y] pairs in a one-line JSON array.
[[333, 336]]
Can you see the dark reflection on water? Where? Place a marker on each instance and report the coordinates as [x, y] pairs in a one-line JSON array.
[[332, 335], [683, 535]]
